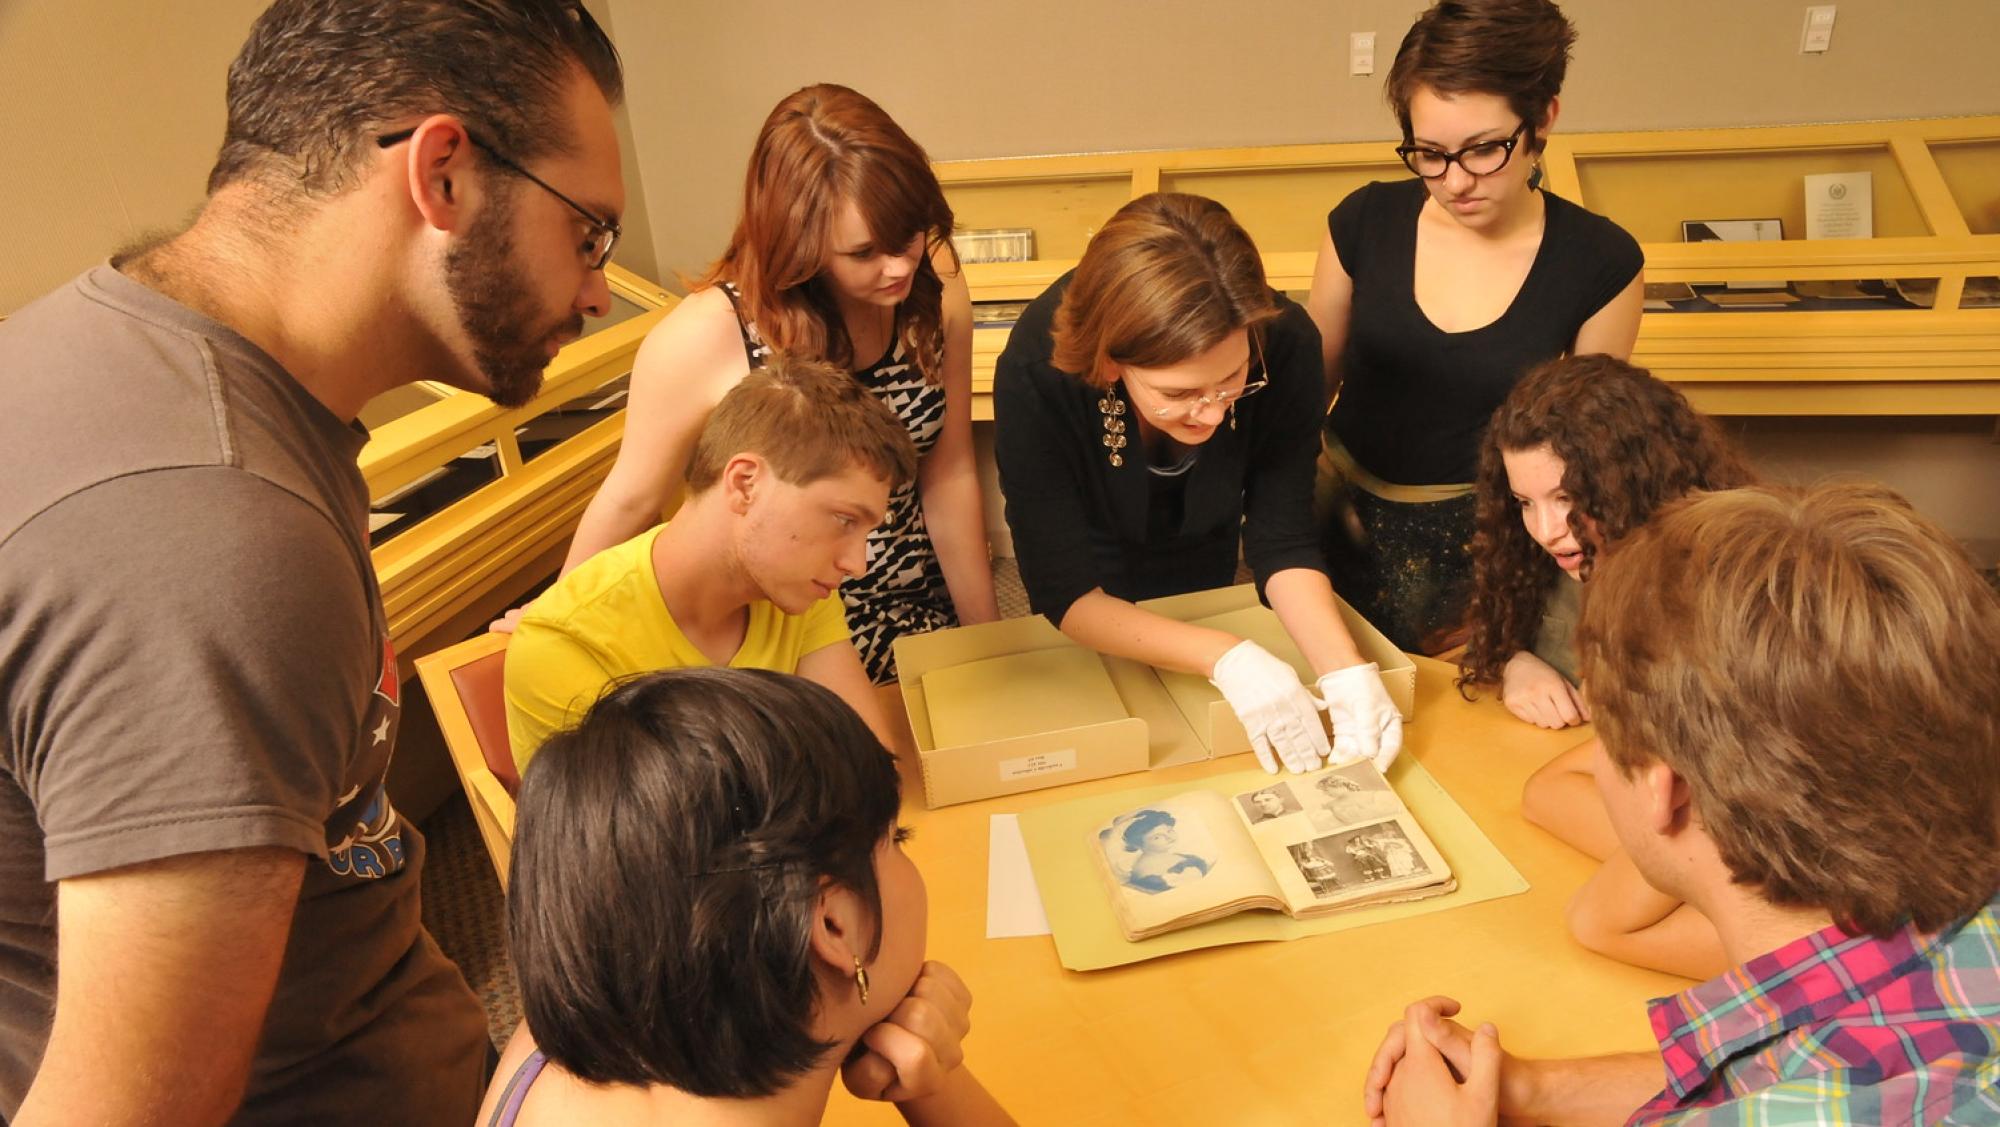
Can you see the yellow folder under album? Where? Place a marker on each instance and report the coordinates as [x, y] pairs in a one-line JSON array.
[[1066, 846], [1019, 694]]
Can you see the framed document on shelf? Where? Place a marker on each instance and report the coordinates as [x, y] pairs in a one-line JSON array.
[[1840, 205], [1736, 231]]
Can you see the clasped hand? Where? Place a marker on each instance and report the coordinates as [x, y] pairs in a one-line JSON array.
[[1282, 718], [907, 1055], [1433, 1072]]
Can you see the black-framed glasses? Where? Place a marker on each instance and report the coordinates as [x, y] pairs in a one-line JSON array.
[[1482, 159], [603, 232]]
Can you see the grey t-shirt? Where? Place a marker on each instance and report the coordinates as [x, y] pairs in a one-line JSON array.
[[1555, 637], [193, 658]]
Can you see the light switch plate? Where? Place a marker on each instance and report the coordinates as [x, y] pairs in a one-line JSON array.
[[1818, 33], [1361, 54]]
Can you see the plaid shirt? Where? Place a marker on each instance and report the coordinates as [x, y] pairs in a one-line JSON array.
[[1835, 1029]]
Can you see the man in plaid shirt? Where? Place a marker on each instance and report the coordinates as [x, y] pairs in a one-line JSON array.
[[1799, 702]]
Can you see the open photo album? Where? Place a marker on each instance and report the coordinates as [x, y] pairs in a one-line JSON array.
[[1306, 845]]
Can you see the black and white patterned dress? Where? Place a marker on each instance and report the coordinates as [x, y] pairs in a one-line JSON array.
[[903, 590]]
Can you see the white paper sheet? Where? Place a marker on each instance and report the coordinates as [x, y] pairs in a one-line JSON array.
[[1013, 903]]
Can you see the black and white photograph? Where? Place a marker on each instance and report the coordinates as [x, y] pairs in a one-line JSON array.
[[1321, 873], [1349, 797], [1272, 802], [1376, 852]]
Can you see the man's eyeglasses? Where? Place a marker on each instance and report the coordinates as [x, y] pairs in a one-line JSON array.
[[1190, 404], [603, 232], [1482, 159]]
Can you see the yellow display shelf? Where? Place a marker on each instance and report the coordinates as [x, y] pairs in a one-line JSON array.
[[1936, 221], [448, 572]]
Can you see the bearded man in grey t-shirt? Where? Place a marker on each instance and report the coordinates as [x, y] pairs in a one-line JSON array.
[[208, 905]]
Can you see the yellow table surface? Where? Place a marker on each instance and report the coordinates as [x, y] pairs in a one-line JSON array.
[[1276, 1033]]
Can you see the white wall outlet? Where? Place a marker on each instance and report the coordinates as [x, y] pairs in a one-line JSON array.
[[1818, 34], [1361, 54]]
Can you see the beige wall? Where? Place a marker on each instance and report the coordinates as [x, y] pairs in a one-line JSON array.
[[110, 115], [1058, 76]]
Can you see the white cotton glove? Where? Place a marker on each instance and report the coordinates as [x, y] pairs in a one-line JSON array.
[[1276, 710], [1366, 724]]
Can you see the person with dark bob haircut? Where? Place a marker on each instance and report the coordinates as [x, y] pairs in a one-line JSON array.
[[1434, 295], [709, 902]]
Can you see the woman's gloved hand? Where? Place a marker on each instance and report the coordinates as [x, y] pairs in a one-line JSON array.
[[1281, 717], [1366, 724]]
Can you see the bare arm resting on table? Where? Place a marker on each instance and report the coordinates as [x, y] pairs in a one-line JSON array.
[[1582, 1091], [1618, 915], [1562, 798], [948, 480], [152, 959]]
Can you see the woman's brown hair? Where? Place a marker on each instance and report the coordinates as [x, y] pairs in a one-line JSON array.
[[822, 147], [1512, 49], [1167, 277], [1817, 668], [1628, 444]]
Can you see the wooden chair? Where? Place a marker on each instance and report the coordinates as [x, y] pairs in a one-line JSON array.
[[464, 683]]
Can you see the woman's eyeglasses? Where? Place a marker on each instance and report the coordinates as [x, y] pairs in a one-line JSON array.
[[1189, 404], [1482, 159]]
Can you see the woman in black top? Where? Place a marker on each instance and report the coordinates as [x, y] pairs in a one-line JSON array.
[[1434, 295], [1155, 408]]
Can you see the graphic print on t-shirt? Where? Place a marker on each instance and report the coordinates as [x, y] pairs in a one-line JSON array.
[[372, 845]]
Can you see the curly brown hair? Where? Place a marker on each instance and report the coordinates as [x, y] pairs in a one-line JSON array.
[[1628, 444]]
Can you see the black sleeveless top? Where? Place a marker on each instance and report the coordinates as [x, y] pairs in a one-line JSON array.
[[1414, 399]]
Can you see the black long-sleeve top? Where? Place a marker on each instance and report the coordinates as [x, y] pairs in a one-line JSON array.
[[1080, 523]]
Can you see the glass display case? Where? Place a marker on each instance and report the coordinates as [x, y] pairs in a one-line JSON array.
[[1903, 322]]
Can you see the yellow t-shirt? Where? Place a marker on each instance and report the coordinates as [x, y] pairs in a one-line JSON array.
[[607, 620]]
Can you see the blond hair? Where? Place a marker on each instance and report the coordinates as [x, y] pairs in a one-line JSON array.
[[808, 420], [1819, 667]]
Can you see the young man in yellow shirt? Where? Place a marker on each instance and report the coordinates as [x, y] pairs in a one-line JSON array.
[[792, 470]]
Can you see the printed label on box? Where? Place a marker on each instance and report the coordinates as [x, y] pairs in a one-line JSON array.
[[1044, 763]]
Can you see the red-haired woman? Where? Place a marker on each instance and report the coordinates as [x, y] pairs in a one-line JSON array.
[[1155, 412], [1434, 295], [841, 254]]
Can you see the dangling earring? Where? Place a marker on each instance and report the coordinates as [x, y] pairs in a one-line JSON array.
[[1232, 415], [1535, 176], [1113, 410], [861, 979]]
